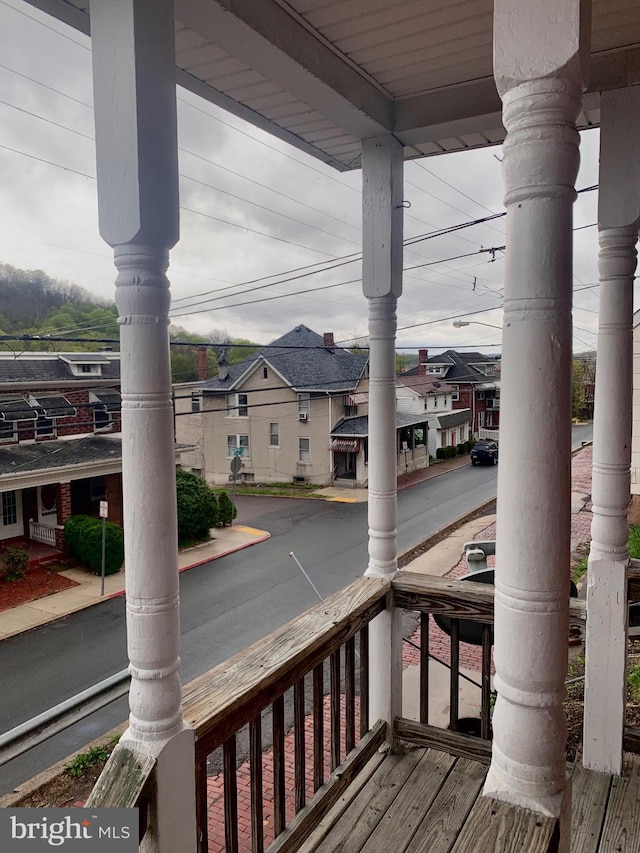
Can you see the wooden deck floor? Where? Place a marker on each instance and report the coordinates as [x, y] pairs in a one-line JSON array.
[[426, 800]]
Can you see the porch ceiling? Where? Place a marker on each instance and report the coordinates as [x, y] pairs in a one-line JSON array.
[[324, 74]]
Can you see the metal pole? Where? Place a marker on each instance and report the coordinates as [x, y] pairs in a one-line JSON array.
[[104, 534]]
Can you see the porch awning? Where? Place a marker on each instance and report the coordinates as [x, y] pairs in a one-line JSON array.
[[357, 399], [16, 409], [108, 401], [345, 445], [53, 406]]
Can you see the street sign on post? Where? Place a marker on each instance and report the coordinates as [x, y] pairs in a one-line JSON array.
[[236, 465], [104, 512]]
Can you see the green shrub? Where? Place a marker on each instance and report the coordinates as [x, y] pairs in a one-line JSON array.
[[226, 510], [461, 449], [14, 563], [634, 541], [197, 507], [440, 452], [633, 681], [83, 539]]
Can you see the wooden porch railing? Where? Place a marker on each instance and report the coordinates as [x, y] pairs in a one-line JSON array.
[[237, 694], [459, 602], [230, 706]]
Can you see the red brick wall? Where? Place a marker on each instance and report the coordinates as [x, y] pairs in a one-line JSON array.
[[114, 498], [81, 423], [63, 507]]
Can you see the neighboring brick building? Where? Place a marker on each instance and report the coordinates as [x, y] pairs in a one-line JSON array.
[[60, 448], [475, 381]]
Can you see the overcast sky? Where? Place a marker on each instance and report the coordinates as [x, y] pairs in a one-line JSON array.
[[306, 212]]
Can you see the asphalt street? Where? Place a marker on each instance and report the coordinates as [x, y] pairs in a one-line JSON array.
[[226, 604]]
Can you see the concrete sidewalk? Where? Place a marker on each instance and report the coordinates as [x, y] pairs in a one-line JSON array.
[[26, 616]]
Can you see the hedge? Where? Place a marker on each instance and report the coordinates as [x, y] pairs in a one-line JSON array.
[[83, 540], [197, 507], [226, 510]]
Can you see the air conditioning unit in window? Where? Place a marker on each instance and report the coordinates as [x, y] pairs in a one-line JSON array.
[[303, 416]]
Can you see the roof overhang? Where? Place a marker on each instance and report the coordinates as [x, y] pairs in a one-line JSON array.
[[314, 76]]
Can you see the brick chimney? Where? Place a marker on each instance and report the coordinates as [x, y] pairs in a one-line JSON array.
[[202, 363], [329, 341], [423, 355]]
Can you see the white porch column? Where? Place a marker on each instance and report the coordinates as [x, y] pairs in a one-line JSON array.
[[607, 609], [538, 71], [137, 164], [382, 188]]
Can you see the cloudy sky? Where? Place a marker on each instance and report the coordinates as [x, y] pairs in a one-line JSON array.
[[252, 208]]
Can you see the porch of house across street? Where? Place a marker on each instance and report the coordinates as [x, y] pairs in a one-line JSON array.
[[365, 85]]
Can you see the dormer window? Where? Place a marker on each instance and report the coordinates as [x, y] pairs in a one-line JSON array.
[[84, 363]]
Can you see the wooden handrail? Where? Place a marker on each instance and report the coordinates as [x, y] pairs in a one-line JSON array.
[[457, 599], [218, 703]]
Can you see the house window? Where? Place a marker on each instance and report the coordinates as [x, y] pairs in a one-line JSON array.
[[101, 420], [274, 435], [490, 369], [304, 450], [432, 369], [45, 427], [195, 401], [455, 396], [265, 372], [435, 402], [443, 438], [237, 406], [238, 445], [304, 405], [9, 509], [85, 368], [480, 420], [7, 430], [489, 419]]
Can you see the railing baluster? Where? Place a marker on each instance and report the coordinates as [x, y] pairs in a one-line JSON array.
[[318, 726], [299, 744], [454, 694], [230, 795], [485, 707], [279, 797], [424, 667], [202, 805], [255, 765], [350, 693], [334, 670], [364, 680]]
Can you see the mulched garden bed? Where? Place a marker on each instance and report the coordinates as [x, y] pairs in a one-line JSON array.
[[38, 582]]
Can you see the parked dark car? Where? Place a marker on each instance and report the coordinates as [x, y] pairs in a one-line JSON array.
[[484, 453]]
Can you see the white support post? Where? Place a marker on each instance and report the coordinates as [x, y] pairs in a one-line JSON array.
[[538, 72], [607, 608], [382, 177], [137, 165]]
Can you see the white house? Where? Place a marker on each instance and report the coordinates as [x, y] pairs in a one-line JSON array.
[[426, 393]]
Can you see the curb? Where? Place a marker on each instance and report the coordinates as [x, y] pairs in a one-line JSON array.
[[427, 544]]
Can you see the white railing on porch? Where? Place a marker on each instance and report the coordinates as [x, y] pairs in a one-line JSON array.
[[42, 533]]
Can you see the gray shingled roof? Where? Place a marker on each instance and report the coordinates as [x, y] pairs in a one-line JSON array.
[[460, 366], [33, 370], [359, 427], [452, 419], [45, 455], [301, 358]]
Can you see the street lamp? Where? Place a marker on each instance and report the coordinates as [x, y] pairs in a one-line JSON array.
[[459, 323]]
